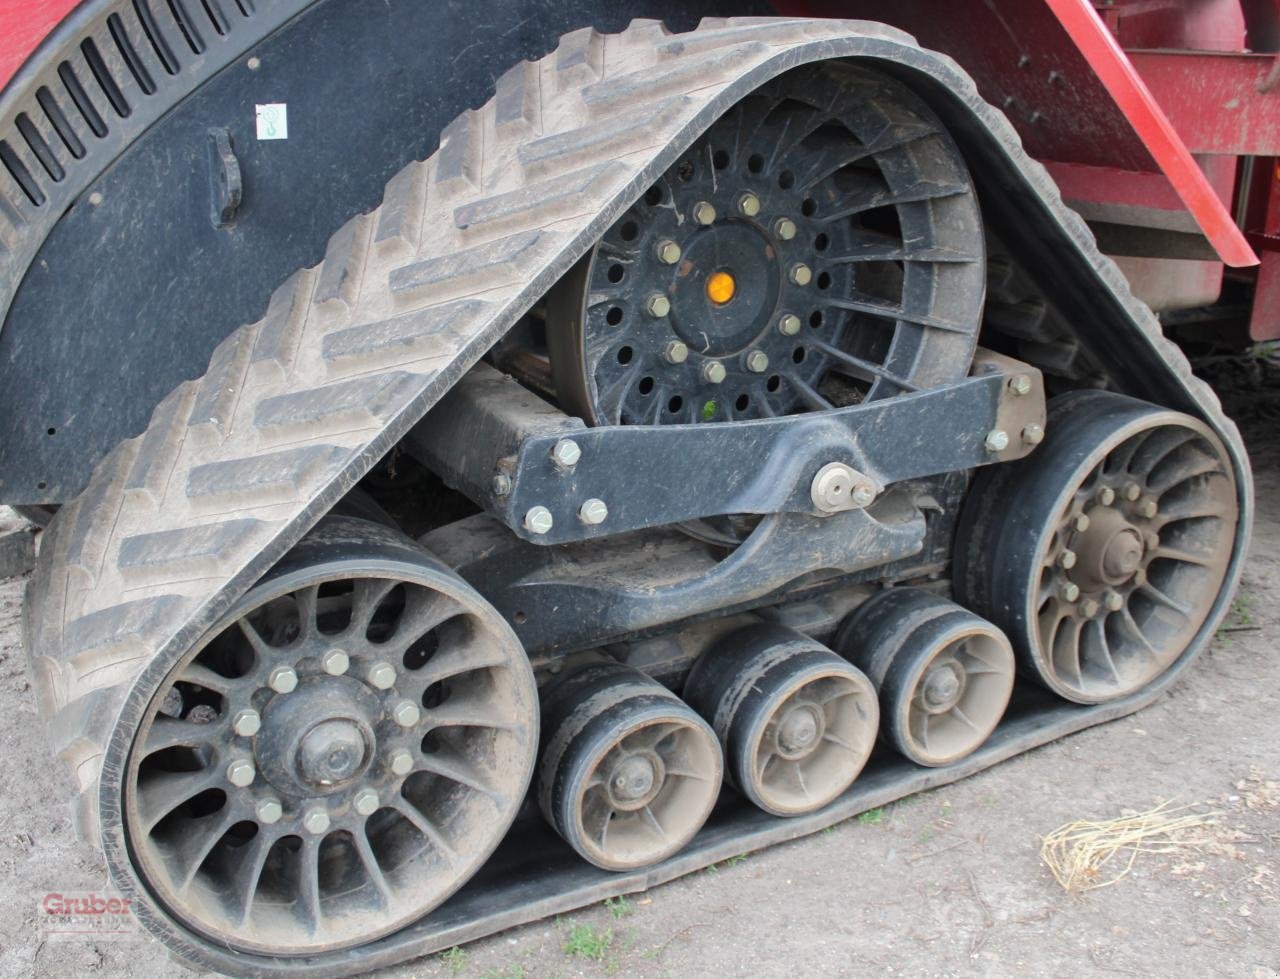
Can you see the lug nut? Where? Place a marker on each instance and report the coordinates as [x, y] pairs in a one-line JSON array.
[[1081, 523], [668, 251], [593, 512], [283, 679], [566, 453], [1139, 577], [1068, 591], [757, 361], [801, 274], [704, 213], [538, 520], [335, 662], [365, 802], [382, 676], [246, 723], [789, 324], [675, 352], [1020, 384], [501, 484], [1106, 496], [1147, 508], [784, 228], [1067, 560], [1131, 491], [657, 305], [240, 773], [268, 811], [749, 204], [1089, 608], [1152, 540], [400, 762], [1033, 434], [1114, 601], [997, 440], [406, 713], [316, 821], [713, 372]]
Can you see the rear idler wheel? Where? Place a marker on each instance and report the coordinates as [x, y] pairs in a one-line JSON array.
[[944, 674], [1104, 552], [629, 773], [797, 722], [336, 757]]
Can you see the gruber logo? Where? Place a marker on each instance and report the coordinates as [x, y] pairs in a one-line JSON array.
[[87, 915]]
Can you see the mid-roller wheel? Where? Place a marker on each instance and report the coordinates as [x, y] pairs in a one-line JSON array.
[[944, 674], [796, 721], [629, 773]]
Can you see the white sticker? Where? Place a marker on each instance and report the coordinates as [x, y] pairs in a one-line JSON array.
[[273, 120]]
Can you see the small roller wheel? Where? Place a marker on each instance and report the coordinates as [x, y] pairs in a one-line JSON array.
[[797, 722], [944, 674], [629, 773]]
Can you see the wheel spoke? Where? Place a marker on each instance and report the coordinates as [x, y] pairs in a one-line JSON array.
[[169, 732], [424, 826], [372, 869], [164, 792], [309, 882], [200, 836], [459, 771], [881, 309], [247, 874], [922, 190], [963, 718], [1160, 598], [652, 821], [368, 596], [864, 369]]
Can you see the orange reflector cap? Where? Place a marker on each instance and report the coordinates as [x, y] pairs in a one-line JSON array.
[[721, 287]]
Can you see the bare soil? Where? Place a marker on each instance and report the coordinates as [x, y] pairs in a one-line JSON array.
[[947, 883]]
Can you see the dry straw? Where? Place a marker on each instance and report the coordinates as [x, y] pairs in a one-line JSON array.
[[1080, 854]]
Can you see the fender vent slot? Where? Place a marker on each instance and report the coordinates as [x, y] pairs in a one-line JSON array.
[[245, 7], [187, 26], [108, 84], [216, 17], [81, 98], [39, 147], [61, 124], [158, 44], [20, 174], [139, 71]]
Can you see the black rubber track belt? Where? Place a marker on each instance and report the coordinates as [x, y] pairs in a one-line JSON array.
[[236, 466]]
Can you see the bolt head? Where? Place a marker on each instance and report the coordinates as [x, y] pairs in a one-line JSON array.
[[749, 204], [675, 352], [1147, 508], [1089, 608], [1067, 560], [241, 773], [283, 679], [704, 213], [593, 512], [1106, 496], [833, 487], [382, 676], [784, 228], [1081, 522], [1069, 591], [1114, 601], [801, 274], [997, 440], [316, 821], [789, 324], [863, 494], [1152, 540], [365, 802], [268, 811], [1020, 384], [538, 520], [501, 484], [757, 361], [668, 251], [1139, 578], [657, 305], [1131, 491], [566, 453], [335, 662], [1033, 434], [400, 762], [713, 372], [246, 723], [406, 713]]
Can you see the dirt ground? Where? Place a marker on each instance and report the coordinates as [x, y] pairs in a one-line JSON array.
[[948, 883]]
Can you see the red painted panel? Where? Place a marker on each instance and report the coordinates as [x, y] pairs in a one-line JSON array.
[[23, 25]]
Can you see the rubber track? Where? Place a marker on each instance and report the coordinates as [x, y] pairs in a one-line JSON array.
[[294, 409]]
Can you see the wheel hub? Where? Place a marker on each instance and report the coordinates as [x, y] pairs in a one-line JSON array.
[[799, 730], [332, 752], [942, 687], [1110, 551], [635, 780]]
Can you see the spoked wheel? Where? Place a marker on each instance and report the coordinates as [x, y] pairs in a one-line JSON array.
[[629, 773], [944, 674], [1103, 554], [338, 756], [797, 722]]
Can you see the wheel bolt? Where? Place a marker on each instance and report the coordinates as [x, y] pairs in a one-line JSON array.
[[1147, 508], [757, 361], [1131, 491], [1114, 601], [1139, 578], [1089, 608], [784, 228], [406, 713], [246, 723], [704, 213], [593, 512], [400, 762], [382, 676], [1020, 384], [269, 811], [1067, 560], [538, 520], [789, 324], [657, 305], [365, 802], [668, 251], [240, 773], [1033, 434], [1069, 591], [1152, 540], [283, 679], [801, 274], [713, 372], [997, 440], [335, 662], [316, 821], [566, 453], [1106, 496], [1081, 522], [675, 352], [749, 204]]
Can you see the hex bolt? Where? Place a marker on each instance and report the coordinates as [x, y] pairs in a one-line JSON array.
[[1081, 522], [1152, 540], [784, 228], [400, 762], [268, 811], [997, 440], [1020, 384], [283, 679], [241, 773], [365, 802], [1114, 601], [1106, 496], [863, 494], [704, 213], [1033, 434], [749, 204], [1139, 577], [382, 676], [713, 372], [800, 274], [1131, 491], [335, 662], [1068, 591], [1067, 560], [246, 723], [593, 512], [566, 453], [1089, 608], [1147, 508], [757, 361], [657, 305], [668, 251], [406, 713], [316, 821], [538, 520], [836, 486], [675, 352], [789, 324], [501, 484]]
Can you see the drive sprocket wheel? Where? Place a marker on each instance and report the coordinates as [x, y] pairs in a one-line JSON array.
[[1103, 553], [337, 756]]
